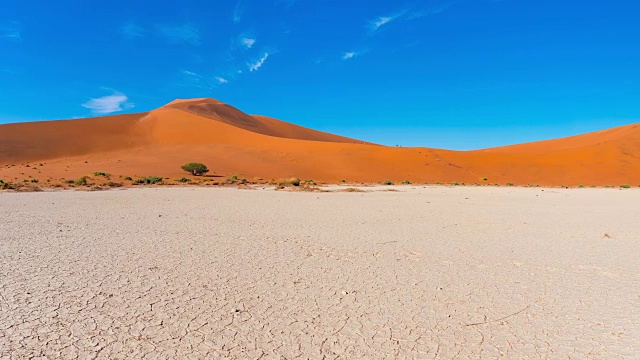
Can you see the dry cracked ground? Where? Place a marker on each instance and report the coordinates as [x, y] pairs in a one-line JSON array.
[[425, 273]]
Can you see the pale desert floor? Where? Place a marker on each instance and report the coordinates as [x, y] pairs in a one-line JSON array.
[[424, 273]]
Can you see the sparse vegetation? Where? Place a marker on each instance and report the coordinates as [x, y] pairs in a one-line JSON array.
[[184, 180], [353, 190], [484, 179], [343, 181], [608, 186], [510, 184], [388, 182], [288, 182], [6, 186], [580, 186], [35, 181], [151, 180], [196, 169], [81, 181], [438, 183], [406, 182], [100, 173], [455, 183], [128, 178], [625, 186], [112, 184], [592, 186]]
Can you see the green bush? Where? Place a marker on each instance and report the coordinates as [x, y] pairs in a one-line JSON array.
[[184, 180], [100, 173], [625, 186], [149, 180], [195, 169], [128, 178], [81, 181], [406, 182], [510, 184], [388, 182]]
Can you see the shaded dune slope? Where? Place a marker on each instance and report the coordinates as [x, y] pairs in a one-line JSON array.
[[230, 141]]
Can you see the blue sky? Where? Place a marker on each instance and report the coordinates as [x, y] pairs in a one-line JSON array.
[[452, 74]]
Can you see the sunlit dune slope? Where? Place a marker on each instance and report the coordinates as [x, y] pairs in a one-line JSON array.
[[232, 142], [216, 110]]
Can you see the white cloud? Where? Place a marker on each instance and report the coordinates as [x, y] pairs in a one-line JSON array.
[[132, 31], [237, 13], [349, 55], [181, 34], [11, 32], [248, 42], [190, 73], [108, 104], [257, 64], [221, 80], [376, 23]]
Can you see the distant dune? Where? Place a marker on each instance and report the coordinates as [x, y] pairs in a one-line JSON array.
[[232, 142]]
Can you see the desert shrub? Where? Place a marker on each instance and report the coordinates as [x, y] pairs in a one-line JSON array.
[[100, 173], [484, 179], [388, 182], [625, 186], [353, 190], [184, 180], [438, 183], [288, 182], [81, 181], [112, 184], [35, 181], [148, 180], [234, 177], [6, 186], [196, 169], [69, 181], [455, 183], [343, 181], [608, 186], [510, 184], [580, 186], [592, 186], [128, 178], [406, 182]]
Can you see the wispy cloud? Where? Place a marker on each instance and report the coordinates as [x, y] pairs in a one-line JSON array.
[[109, 104], [258, 64], [432, 10], [237, 12], [221, 80], [181, 34], [350, 55], [287, 3], [190, 73], [132, 31], [247, 42], [380, 21], [11, 31]]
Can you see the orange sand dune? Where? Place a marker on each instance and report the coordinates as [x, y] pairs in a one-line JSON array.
[[232, 142]]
